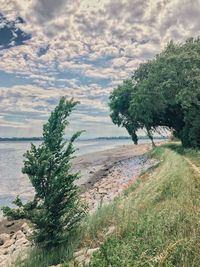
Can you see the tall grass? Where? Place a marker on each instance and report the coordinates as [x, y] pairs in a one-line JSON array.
[[156, 225], [44, 258], [157, 221], [192, 154]]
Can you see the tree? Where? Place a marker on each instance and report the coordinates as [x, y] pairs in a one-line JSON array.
[[119, 106], [55, 209], [163, 92]]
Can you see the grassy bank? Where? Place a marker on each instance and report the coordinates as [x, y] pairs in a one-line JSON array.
[[192, 154], [156, 222]]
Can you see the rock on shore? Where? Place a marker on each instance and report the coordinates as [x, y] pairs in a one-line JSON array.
[[14, 245], [115, 180]]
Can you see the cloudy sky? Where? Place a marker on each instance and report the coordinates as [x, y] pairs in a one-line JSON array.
[[81, 49]]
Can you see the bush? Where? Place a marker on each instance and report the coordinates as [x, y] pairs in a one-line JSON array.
[[55, 209]]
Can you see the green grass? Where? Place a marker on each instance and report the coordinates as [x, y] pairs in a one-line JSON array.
[[158, 224], [43, 258], [192, 154], [157, 220]]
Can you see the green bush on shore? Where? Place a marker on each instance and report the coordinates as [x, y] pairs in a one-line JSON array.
[[55, 210]]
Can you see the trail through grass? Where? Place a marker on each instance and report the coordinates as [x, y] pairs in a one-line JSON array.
[[159, 223]]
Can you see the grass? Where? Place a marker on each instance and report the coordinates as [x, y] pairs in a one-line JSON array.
[[157, 220], [158, 224], [43, 258], [192, 154]]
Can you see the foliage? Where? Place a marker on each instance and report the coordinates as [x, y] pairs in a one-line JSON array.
[[45, 258], [55, 209], [164, 92], [119, 105]]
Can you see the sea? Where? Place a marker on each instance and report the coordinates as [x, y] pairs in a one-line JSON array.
[[13, 182]]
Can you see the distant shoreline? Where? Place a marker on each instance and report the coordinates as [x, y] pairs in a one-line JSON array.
[[25, 139], [5, 139]]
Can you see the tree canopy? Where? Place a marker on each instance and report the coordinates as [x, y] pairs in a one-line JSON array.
[[163, 92]]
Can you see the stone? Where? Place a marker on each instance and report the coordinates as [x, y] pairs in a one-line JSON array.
[[19, 254], [87, 195], [25, 228], [4, 263], [91, 251], [18, 235], [11, 249], [71, 264], [87, 261], [8, 243], [83, 256], [3, 251], [105, 168], [108, 186], [2, 258], [102, 191], [21, 242], [9, 224], [4, 238], [80, 252]]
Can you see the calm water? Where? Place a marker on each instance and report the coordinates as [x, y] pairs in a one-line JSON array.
[[13, 182]]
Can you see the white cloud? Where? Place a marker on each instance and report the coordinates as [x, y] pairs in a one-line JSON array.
[[88, 42]]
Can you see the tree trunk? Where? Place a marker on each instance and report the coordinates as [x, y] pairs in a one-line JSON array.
[[151, 138]]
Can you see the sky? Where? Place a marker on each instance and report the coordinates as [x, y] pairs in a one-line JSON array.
[[81, 49]]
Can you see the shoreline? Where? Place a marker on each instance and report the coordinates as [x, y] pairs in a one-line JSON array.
[[94, 167], [106, 175]]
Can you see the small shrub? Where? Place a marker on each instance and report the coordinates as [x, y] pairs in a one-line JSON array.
[[55, 209]]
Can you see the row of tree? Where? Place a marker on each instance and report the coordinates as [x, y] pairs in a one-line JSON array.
[[164, 93]]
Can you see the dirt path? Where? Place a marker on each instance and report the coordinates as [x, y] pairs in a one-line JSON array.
[[193, 166]]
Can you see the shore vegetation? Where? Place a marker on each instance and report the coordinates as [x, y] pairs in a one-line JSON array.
[[55, 210], [156, 221]]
